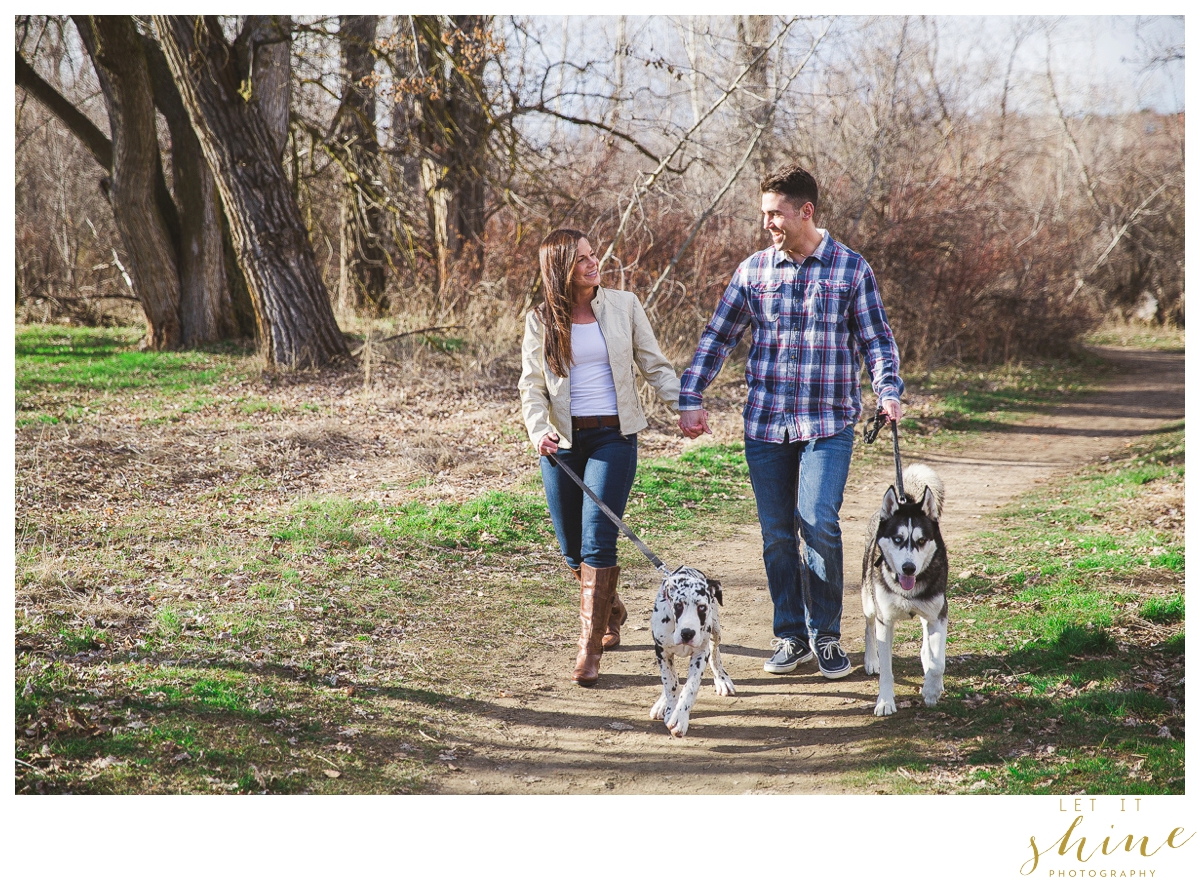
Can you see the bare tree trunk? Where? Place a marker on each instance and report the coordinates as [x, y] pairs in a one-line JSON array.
[[363, 261], [264, 49], [205, 303], [437, 196], [453, 130], [295, 320], [113, 43], [403, 151]]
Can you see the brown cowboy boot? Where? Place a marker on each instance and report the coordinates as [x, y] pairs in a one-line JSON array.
[[597, 586], [616, 618]]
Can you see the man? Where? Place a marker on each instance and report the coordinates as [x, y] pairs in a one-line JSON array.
[[815, 312]]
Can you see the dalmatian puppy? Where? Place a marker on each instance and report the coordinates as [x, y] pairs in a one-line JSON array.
[[685, 624]]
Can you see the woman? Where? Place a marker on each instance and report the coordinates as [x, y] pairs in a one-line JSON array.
[[579, 400]]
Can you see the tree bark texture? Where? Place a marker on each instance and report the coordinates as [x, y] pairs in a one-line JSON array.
[[453, 130], [363, 260], [205, 306], [113, 43], [264, 49], [295, 320]]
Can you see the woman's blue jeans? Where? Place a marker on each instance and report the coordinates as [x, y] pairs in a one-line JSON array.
[[606, 461], [798, 487]]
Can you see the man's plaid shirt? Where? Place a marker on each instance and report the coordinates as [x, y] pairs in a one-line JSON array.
[[812, 324]]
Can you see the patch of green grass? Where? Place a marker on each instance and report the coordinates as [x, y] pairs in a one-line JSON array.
[[444, 344], [1136, 334], [218, 695], [55, 365], [102, 359], [1074, 770], [1163, 610], [710, 480], [169, 622], [329, 520], [217, 729], [1172, 559], [47, 339], [1072, 641], [87, 638], [254, 405], [493, 520]]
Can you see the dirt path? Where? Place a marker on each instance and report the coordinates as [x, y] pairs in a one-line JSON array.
[[794, 734]]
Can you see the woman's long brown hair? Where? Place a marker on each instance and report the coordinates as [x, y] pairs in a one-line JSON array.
[[556, 255]]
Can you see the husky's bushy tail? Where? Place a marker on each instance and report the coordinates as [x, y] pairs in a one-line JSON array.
[[919, 477]]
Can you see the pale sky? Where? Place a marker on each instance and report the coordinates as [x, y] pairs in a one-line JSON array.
[[1107, 58]]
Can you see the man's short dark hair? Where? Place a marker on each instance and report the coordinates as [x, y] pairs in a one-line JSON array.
[[793, 182]]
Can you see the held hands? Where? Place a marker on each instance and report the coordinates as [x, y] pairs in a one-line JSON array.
[[548, 444], [694, 422]]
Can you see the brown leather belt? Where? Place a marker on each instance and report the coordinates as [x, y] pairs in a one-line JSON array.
[[578, 422]]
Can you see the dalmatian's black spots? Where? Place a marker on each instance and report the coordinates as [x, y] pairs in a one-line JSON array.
[[685, 623]]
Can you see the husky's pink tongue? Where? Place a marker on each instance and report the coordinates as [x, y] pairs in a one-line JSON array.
[[908, 581]]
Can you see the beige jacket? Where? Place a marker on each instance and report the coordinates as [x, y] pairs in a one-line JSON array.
[[546, 398]]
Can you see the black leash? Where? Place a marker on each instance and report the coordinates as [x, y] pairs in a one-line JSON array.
[[871, 431], [555, 461]]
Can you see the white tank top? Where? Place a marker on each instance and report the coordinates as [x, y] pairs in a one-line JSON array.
[[592, 390]]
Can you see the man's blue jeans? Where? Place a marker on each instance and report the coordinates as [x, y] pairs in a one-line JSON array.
[[606, 460], [798, 487]]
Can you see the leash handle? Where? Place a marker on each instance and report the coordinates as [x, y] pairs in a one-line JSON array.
[[555, 461], [871, 431]]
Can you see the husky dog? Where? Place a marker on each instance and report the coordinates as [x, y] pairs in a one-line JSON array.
[[685, 624], [904, 574]]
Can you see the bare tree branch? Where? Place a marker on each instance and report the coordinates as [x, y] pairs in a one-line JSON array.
[[649, 180], [1120, 233], [708, 212]]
